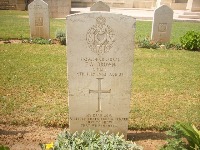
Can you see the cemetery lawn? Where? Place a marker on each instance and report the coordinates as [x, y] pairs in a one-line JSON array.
[[15, 25], [33, 80], [33, 84], [33, 87]]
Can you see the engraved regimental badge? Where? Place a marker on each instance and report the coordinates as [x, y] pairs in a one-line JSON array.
[[38, 21], [162, 27], [100, 37]]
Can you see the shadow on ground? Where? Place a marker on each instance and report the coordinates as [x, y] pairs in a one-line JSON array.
[[146, 135]]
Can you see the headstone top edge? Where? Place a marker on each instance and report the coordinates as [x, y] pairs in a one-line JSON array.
[[35, 1], [99, 2], [164, 6], [98, 12]]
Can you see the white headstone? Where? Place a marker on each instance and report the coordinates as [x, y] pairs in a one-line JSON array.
[[59, 8], [39, 19], [162, 24], [100, 65], [193, 5], [158, 3], [20, 5], [100, 6]]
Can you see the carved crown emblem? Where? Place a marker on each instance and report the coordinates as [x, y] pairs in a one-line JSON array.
[[100, 37]]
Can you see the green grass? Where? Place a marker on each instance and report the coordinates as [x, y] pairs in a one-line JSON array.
[[15, 25], [33, 86], [143, 29], [33, 80], [165, 88]]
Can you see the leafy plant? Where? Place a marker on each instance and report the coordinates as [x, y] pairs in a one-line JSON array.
[[4, 147], [61, 36], [173, 46], [191, 133], [40, 41], [175, 141], [147, 43], [180, 131], [191, 41], [89, 140]]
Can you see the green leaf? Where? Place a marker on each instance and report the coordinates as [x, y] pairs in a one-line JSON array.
[[4, 147], [191, 134], [90, 140]]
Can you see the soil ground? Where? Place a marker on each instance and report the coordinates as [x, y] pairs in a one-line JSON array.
[[29, 137]]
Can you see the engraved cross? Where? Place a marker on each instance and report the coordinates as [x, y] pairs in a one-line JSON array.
[[99, 92]]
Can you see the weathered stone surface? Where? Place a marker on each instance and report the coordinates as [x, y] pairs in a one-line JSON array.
[[59, 8], [162, 24], [100, 65], [100, 6], [39, 19]]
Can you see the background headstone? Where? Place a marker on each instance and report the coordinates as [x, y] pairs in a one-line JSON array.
[[100, 65], [162, 24], [39, 19], [59, 8], [100, 6], [193, 5], [20, 5]]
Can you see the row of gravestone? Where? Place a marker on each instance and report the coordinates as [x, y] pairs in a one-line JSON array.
[[39, 20], [162, 22], [100, 49]]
